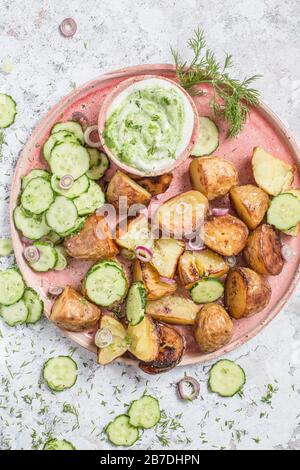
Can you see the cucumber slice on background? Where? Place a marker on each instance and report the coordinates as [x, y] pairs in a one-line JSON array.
[[69, 126], [62, 215], [68, 158], [99, 163], [90, 201], [60, 373], [61, 262], [79, 186], [48, 257], [121, 433], [6, 247], [207, 290], [32, 227], [208, 140], [226, 378], [8, 110], [284, 211], [53, 238], [59, 137], [36, 173], [11, 287], [34, 304], [79, 224], [37, 196], [15, 314], [136, 303], [145, 412], [58, 444]]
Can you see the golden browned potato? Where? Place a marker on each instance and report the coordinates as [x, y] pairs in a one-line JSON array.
[[263, 251], [226, 235], [173, 309], [73, 312], [182, 215], [246, 292], [157, 184], [213, 176], [166, 253], [188, 269], [210, 264], [119, 344], [171, 349], [122, 185], [149, 276], [144, 340], [294, 231], [213, 328], [137, 233], [250, 203], [93, 242], [270, 173]]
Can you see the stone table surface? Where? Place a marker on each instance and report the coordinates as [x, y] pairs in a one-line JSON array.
[[264, 37]]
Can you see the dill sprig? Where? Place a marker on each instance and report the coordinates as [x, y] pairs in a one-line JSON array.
[[232, 97]]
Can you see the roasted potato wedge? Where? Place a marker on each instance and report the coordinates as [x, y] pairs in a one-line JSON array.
[[213, 328], [246, 292], [137, 233], [182, 215], [263, 251], [157, 184], [73, 312], [173, 309], [270, 173], [155, 288], [188, 269], [213, 176], [119, 344], [250, 203], [294, 231], [144, 340], [122, 185], [226, 235], [210, 264], [93, 242], [166, 253], [171, 349]]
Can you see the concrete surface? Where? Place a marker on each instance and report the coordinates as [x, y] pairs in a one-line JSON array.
[[264, 38]]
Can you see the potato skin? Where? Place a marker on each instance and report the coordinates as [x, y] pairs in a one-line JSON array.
[[122, 185], [157, 184], [227, 235], [246, 292], [73, 312], [173, 309], [250, 203], [86, 245], [188, 270], [156, 289], [213, 176], [213, 328], [263, 251]]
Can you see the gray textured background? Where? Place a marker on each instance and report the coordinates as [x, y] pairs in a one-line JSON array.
[[264, 37]]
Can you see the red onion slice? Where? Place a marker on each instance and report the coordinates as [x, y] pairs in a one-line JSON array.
[[103, 338], [143, 253], [231, 261], [81, 119], [287, 252], [87, 137], [127, 254], [66, 182], [55, 291], [167, 280], [31, 254], [219, 211], [27, 241], [191, 383], [195, 245], [68, 27]]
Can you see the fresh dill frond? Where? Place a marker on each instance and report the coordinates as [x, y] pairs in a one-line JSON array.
[[2, 142], [232, 97]]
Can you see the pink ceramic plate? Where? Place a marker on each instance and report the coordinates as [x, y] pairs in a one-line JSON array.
[[262, 129]]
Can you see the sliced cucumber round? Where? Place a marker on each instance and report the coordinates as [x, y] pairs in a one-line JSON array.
[[284, 211], [34, 304], [62, 215], [60, 373], [37, 196], [6, 247], [99, 163], [69, 126], [15, 314], [61, 262], [207, 290], [226, 378], [136, 303], [47, 260], [53, 238], [90, 201], [36, 173], [79, 187], [79, 224], [208, 140], [145, 412], [58, 444], [11, 287], [59, 137], [32, 227], [8, 110], [68, 158], [121, 433]]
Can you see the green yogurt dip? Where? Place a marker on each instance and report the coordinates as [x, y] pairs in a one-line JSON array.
[[146, 128]]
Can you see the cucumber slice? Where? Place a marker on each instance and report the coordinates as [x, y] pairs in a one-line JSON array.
[[80, 186], [11, 287], [8, 110], [15, 314], [32, 227], [69, 126], [59, 137], [207, 290], [68, 158], [121, 433], [77, 227], [62, 215], [145, 412], [90, 201], [34, 174], [226, 378], [284, 211], [34, 304], [61, 262], [60, 373], [6, 247], [47, 260], [136, 303], [37, 196], [208, 140], [58, 444], [106, 283], [99, 163], [53, 238]]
